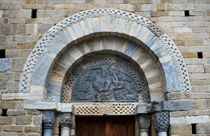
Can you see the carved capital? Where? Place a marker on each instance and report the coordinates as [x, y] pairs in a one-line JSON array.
[[65, 120], [144, 123], [48, 119], [161, 120]]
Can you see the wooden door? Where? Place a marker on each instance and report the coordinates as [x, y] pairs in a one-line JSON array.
[[105, 126]]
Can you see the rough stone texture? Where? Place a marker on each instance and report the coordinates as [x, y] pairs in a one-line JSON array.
[[180, 129], [203, 128], [23, 120], [6, 120]]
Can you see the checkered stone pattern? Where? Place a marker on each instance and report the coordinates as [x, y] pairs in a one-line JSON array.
[[86, 110], [105, 109], [179, 62], [124, 109], [161, 120]]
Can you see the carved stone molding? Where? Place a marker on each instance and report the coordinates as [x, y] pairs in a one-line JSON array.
[[65, 119], [161, 121], [105, 109], [48, 119], [176, 61]]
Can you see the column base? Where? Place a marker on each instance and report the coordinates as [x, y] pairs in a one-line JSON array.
[[65, 131], [162, 133], [144, 134]]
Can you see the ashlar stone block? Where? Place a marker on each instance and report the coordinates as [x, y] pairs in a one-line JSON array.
[[5, 65]]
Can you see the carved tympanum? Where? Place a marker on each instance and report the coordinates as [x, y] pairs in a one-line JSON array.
[[105, 84], [105, 78]]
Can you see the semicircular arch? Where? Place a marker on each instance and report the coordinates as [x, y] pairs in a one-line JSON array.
[[99, 22]]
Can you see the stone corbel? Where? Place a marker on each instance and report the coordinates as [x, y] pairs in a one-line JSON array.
[[65, 120], [48, 122]]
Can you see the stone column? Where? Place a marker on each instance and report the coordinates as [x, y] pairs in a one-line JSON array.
[[161, 121], [65, 121], [144, 124], [48, 122]]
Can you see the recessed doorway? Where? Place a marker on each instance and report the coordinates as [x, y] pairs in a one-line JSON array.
[[105, 126]]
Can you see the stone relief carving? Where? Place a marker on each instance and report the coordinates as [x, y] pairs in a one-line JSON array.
[[103, 84], [105, 78]]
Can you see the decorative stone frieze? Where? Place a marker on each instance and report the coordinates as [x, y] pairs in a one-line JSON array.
[[105, 109]]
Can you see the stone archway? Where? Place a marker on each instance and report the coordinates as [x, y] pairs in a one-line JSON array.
[[102, 22]]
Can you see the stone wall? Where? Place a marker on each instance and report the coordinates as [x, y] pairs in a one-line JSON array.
[[187, 22]]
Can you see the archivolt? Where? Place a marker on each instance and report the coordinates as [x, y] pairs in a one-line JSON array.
[[100, 21]]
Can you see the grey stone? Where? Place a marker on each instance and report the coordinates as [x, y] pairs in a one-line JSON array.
[[5, 65], [37, 120], [15, 113], [65, 119], [144, 123], [203, 128], [131, 48], [174, 106], [171, 77], [40, 73], [48, 119], [161, 121], [54, 90], [179, 105], [7, 134]]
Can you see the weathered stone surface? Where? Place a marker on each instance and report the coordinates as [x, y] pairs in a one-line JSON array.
[[197, 119], [7, 134], [6, 120], [180, 129], [174, 96], [15, 113], [13, 128], [17, 64], [37, 120], [39, 76], [36, 129], [203, 128], [7, 104], [178, 120], [5, 65], [174, 106], [23, 120], [171, 77], [178, 105]]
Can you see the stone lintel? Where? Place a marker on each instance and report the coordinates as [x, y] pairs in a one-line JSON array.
[[57, 106], [174, 106]]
